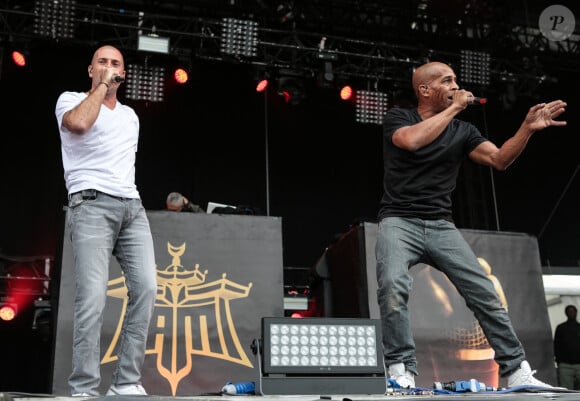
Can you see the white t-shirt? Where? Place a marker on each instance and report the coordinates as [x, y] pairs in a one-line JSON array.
[[104, 157]]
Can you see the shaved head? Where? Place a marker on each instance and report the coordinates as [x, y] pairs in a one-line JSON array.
[[427, 73], [107, 50]]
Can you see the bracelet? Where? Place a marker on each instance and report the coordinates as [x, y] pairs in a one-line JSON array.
[[104, 83]]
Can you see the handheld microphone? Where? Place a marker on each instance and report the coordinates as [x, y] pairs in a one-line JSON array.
[[473, 101], [118, 78]]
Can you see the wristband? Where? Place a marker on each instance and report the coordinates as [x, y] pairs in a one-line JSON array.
[[104, 83]]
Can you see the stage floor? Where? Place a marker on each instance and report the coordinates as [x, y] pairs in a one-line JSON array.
[[558, 395]]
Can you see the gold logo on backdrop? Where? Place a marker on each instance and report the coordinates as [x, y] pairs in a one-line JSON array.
[[180, 291]]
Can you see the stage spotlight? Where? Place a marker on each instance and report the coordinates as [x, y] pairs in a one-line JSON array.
[[153, 43], [181, 76], [346, 92], [239, 37], [371, 107], [326, 75], [320, 356], [19, 58], [261, 78], [262, 85], [8, 311], [291, 89]]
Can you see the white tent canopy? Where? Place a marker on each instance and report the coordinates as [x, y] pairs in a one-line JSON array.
[[561, 284]]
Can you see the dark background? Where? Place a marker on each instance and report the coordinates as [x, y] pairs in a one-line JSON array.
[[208, 140]]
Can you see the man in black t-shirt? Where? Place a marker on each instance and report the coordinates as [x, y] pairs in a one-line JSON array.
[[423, 149]]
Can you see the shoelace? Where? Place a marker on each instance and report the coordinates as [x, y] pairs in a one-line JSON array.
[[531, 376]]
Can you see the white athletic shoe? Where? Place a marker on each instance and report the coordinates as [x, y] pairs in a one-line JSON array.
[[402, 376], [524, 376], [131, 389]]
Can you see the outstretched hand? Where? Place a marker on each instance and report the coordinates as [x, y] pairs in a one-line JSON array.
[[542, 115]]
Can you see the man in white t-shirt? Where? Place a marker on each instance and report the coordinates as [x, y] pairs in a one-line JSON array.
[[105, 216]]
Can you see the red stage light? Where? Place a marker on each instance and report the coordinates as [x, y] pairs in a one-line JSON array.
[[8, 312], [346, 92], [287, 96], [262, 85], [291, 89], [18, 58], [22, 288], [181, 76]]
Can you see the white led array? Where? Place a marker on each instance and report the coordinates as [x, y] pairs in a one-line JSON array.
[[54, 18], [322, 345], [239, 37], [371, 107], [145, 83], [475, 67]]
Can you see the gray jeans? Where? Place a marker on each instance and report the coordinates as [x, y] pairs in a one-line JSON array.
[[404, 242], [100, 226]]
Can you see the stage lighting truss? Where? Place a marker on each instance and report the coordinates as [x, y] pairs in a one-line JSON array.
[[239, 37], [145, 83], [320, 356], [54, 18], [371, 107], [475, 67]]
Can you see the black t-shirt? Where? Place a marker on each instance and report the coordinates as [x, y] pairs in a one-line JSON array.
[[420, 183], [567, 342]]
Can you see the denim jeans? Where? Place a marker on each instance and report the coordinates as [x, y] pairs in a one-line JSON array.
[[404, 242], [100, 226]]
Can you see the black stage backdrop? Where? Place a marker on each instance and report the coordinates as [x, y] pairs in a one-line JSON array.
[[217, 276], [208, 141]]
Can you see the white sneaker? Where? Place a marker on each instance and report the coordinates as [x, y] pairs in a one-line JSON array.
[[82, 395], [402, 376], [524, 376], [131, 389]]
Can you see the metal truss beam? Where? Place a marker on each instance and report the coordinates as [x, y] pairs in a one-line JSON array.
[[398, 37]]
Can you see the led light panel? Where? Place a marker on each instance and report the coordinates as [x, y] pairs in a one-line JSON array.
[[330, 346]]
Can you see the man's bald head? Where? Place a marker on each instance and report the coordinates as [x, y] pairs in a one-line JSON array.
[[110, 52], [428, 72]]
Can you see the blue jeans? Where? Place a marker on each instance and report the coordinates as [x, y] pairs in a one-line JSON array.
[[100, 226], [404, 242]]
